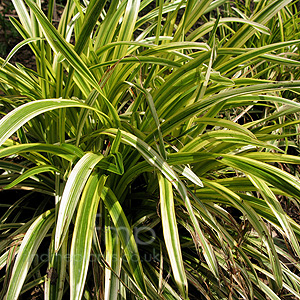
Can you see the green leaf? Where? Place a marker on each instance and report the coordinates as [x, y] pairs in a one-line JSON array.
[[17, 47], [30, 173], [82, 235], [127, 26], [57, 263], [194, 11], [22, 83], [23, 14], [116, 143], [261, 16], [226, 124], [207, 26], [234, 62], [226, 136], [66, 151], [277, 210], [116, 166], [19, 116], [219, 79], [256, 222], [92, 15], [72, 191], [171, 235], [151, 105], [188, 173], [113, 256], [58, 43], [155, 160], [181, 116], [278, 178], [139, 60], [126, 236], [31, 241]]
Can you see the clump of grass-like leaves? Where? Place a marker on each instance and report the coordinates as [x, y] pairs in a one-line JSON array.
[[148, 144]]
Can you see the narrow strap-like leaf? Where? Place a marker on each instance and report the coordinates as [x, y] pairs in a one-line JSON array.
[[277, 210], [93, 12], [31, 172], [72, 192], [83, 234], [23, 14], [32, 240], [19, 116], [151, 105], [17, 47], [58, 43], [113, 257], [155, 160], [256, 222], [275, 176], [56, 271], [116, 166], [126, 236], [65, 151], [171, 236], [232, 63]]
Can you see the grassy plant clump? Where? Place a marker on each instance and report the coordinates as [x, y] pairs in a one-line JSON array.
[[151, 151]]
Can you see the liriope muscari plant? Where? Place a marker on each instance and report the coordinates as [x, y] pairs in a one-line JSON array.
[[147, 145]]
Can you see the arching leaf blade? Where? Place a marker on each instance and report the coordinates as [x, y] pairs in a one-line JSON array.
[[83, 234], [32, 240], [126, 236], [171, 236], [31, 172], [277, 210], [19, 116], [72, 191]]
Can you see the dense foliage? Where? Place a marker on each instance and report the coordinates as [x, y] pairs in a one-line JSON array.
[[151, 151]]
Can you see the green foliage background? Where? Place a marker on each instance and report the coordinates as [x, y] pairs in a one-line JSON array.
[[175, 119]]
